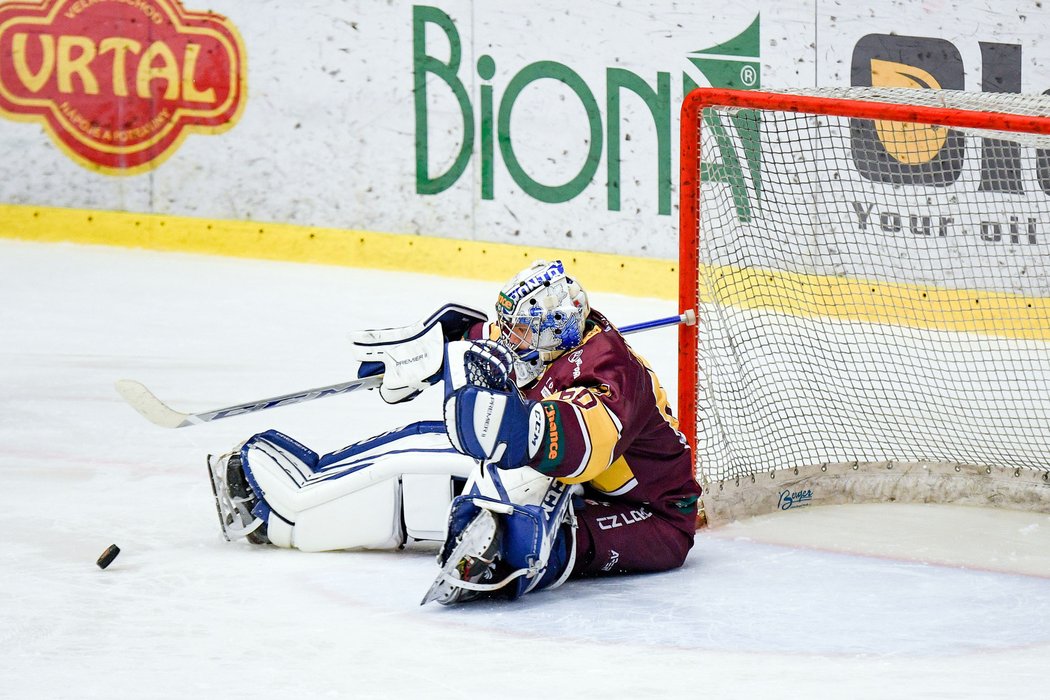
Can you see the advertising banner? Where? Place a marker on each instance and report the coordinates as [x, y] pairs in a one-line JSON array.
[[549, 125]]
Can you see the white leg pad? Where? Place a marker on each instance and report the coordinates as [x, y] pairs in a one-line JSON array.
[[359, 502], [366, 519], [522, 486], [426, 498], [279, 532]]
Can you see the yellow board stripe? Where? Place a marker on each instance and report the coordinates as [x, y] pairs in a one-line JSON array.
[[850, 299], [1009, 315], [644, 277]]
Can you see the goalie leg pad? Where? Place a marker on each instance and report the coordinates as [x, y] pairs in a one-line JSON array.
[[497, 547], [425, 502], [356, 497]]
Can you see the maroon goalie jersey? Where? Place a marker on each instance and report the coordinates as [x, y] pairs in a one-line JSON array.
[[610, 428]]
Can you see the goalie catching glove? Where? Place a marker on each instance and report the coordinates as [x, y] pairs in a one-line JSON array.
[[409, 358], [486, 416]]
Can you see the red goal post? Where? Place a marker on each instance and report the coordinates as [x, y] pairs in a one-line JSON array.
[[879, 174]]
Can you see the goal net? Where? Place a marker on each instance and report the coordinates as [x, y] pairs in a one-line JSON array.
[[871, 273]]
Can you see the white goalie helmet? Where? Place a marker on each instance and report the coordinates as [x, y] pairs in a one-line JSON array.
[[544, 310]]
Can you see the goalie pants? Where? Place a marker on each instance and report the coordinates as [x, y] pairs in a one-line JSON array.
[[622, 538]]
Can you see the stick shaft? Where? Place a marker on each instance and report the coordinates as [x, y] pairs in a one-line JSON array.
[[686, 317], [159, 413]]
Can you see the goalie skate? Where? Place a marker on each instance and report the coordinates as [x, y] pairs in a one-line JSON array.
[[468, 571], [234, 500]]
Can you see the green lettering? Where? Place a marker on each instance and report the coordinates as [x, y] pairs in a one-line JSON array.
[[423, 64], [659, 104], [486, 69], [555, 71], [730, 170]]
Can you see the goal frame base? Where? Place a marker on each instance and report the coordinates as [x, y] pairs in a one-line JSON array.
[[761, 493]]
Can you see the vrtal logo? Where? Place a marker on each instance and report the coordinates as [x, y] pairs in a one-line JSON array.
[[119, 84]]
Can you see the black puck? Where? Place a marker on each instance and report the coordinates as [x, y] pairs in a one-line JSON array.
[[108, 556]]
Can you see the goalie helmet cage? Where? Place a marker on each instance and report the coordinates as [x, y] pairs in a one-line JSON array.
[[871, 273]]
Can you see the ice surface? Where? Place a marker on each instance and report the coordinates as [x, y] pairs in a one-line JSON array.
[[857, 602]]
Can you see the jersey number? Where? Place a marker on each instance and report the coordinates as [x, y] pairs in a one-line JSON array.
[[579, 396]]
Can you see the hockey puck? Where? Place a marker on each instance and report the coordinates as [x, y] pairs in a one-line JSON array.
[[108, 556]]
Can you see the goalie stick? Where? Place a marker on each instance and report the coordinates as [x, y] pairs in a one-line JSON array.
[[157, 412]]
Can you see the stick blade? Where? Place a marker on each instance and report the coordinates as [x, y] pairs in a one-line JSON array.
[[149, 406]]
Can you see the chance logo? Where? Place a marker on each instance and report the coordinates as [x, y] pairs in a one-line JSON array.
[[118, 84]]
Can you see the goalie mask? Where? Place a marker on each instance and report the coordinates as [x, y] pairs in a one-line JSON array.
[[544, 310]]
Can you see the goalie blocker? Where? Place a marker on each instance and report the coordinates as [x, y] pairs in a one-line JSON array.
[[583, 469]]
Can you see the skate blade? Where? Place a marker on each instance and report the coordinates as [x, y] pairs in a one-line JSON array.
[[215, 492], [235, 522], [474, 539]]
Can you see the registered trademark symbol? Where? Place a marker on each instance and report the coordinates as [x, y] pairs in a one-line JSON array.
[[748, 75]]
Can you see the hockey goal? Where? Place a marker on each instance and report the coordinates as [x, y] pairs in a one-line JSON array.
[[871, 271]]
